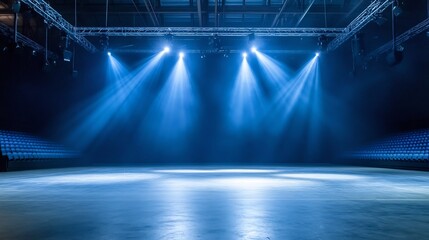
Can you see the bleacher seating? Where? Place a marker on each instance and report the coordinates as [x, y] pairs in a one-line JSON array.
[[406, 147], [22, 147]]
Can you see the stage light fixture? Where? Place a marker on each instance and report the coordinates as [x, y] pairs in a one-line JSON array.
[[166, 49], [395, 56], [322, 42], [104, 42], [67, 55], [244, 54], [317, 54], [16, 6], [181, 54], [252, 37], [254, 49], [397, 11], [109, 53]]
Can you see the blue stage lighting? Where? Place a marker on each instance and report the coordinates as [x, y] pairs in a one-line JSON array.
[[254, 49], [317, 54], [181, 54], [109, 53], [244, 54], [166, 49]]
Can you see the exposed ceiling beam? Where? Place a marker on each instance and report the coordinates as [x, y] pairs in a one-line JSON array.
[[187, 9], [215, 12], [54, 18], [151, 12], [276, 19], [305, 13], [200, 15]]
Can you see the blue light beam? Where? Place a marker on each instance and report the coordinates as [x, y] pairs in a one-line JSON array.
[[110, 104], [247, 101], [175, 109], [297, 93], [276, 73]]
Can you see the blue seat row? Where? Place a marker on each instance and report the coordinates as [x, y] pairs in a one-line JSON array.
[[22, 146], [411, 146]]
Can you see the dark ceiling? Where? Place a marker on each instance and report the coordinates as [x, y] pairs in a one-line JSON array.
[[244, 14], [222, 13]]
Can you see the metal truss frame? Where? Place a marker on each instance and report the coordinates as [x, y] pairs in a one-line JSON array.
[[206, 31], [7, 31], [412, 32], [52, 17], [340, 35], [359, 22]]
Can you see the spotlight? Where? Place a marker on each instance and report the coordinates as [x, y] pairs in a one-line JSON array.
[[109, 53], [166, 49], [395, 56], [67, 55], [317, 54], [46, 67], [16, 6], [104, 42], [251, 37], [215, 44], [322, 42], [254, 49], [397, 10], [181, 54], [244, 54]]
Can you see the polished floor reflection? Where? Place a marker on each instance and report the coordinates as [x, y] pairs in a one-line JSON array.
[[214, 203]]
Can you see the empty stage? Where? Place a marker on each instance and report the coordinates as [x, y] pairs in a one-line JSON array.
[[214, 203]]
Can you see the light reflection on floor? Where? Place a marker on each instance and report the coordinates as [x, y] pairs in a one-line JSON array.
[[214, 203]]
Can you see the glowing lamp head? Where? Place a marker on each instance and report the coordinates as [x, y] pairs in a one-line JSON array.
[[181, 54], [244, 54], [109, 53], [166, 49], [317, 54], [254, 49]]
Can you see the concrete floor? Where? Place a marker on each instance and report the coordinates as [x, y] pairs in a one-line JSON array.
[[214, 203]]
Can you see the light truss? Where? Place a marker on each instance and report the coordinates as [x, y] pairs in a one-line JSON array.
[[7, 31], [206, 31], [412, 32], [54, 18], [359, 22], [212, 52]]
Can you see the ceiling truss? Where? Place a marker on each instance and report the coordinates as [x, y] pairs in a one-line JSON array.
[[339, 35]]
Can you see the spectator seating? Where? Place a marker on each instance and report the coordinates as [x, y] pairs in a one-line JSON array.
[[22, 147], [406, 147]]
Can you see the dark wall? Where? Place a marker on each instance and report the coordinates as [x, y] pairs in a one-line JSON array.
[[384, 99]]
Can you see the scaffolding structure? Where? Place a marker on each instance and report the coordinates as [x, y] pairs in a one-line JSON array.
[[52, 17], [412, 32], [340, 35], [359, 22], [206, 31], [7, 31]]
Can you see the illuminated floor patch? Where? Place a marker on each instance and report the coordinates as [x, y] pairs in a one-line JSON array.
[[214, 203]]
